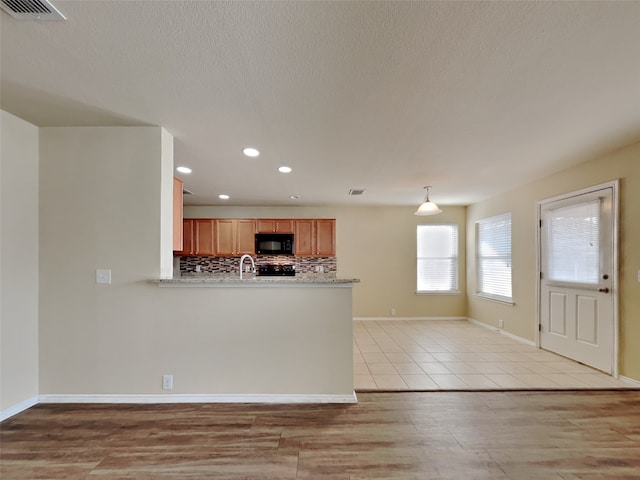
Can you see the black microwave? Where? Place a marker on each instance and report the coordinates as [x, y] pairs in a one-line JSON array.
[[274, 243]]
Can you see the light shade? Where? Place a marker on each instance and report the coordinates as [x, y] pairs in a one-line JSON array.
[[427, 207]]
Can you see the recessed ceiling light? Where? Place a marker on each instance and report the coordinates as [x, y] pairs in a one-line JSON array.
[[223, 196], [251, 152], [183, 169], [294, 197], [284, 169]]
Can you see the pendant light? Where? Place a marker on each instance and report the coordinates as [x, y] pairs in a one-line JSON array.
[[427, 207]]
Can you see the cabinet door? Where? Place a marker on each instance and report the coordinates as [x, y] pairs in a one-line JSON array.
[[188, 244], [270, 225], [284, 225], [204, 233], [303, 238], [265, 226], [225, 237], [325, 238], [245, 237], [177, 215]]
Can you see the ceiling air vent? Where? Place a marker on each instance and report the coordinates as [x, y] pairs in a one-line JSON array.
[[31, 10], [356, 191]]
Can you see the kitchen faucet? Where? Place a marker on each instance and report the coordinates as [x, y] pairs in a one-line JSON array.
[[253, 265]]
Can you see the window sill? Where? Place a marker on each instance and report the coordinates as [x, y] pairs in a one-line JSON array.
[[449, 292], [509, 302]]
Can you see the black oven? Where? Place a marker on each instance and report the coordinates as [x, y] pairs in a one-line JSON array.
[[274, 243]]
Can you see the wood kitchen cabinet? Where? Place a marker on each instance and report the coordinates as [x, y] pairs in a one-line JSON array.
[[177, 214], [231, 237], [315, 238], [197, 237], [279, 225], [325, 236], [188, 239], [235, 237], [204, 232]]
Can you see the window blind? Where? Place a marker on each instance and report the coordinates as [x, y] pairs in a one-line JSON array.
[[437, 264], [573, 243], [493, 255]]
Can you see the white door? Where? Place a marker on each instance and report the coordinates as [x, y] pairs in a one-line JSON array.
[[577, 278]]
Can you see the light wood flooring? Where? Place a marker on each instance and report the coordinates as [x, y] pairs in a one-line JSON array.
[[460, 355], [400, 436]]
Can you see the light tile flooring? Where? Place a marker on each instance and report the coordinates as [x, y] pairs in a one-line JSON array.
[[459, 355]]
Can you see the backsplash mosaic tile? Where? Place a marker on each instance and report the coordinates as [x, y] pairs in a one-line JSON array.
[[304, 265]]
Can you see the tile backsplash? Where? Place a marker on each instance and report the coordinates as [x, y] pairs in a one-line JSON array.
[[304, 265]]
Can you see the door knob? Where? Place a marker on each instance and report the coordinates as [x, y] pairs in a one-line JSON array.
[[603, 290]]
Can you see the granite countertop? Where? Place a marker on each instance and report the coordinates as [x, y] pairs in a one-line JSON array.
[[205, 279]]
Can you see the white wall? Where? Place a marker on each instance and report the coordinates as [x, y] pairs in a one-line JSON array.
[[100, 196], [18, 264], [100, 202], [165, 177]]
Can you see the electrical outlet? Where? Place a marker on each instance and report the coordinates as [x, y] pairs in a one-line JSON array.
[[103, 276], [167, 382], [500, 323], [393, 312], [638, 276]]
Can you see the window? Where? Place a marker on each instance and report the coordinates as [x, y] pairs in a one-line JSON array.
[[437, 258], [493, 257], [573, 241]]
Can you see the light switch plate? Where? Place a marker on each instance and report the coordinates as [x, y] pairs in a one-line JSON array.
[[103, 276]]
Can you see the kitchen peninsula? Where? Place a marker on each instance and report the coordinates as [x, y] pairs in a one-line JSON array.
[[287, 339]]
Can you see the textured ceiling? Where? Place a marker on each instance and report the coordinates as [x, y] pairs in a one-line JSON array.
[[472, 98]]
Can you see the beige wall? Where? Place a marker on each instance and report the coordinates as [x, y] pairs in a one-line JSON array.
[[521, 202], [18, 263], [378, 246]]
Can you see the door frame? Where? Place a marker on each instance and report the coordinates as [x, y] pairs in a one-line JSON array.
[[615, 216]]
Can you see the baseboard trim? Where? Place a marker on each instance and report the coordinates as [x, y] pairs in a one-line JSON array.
[[630, 381], [502, 332], [205, 398], [403, 319], [16, 409]]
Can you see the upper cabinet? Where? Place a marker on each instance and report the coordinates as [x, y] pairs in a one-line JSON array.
[[325, 236], [177, 214], [188, 239], [315, 238], [204, 233], [197, 237], [232, 237], [235, 237], [280, 225], [303, 238]]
